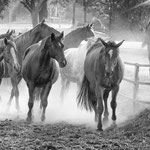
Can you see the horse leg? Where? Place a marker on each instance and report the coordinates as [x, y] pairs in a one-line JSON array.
[[0, 84], [12, 93], [99, 96], [44, 94], [113, 102], [105, 97], [65, 84], [15, 92], [31, 101]]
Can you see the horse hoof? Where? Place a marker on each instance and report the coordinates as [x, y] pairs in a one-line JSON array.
[[114, 125], [43, 118], [105, 120], [100, 130], [29, 119]]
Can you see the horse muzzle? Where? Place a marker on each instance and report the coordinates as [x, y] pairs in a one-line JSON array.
[[109, 74], [63, 63]]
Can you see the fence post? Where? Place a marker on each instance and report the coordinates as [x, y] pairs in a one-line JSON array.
[[136, 86]]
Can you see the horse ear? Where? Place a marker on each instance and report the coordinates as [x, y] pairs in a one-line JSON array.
[[103, 42], [10, 33], [52, 37], [5, 41], [61, 35], [91, 25], [43, 21], [7, 31], [120, 43]]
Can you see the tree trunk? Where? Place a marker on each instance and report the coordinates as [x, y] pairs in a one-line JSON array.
[[84, 14], [73, 16], [35, 17], [44, 12]]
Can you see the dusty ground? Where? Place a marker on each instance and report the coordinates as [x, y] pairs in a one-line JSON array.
[[18, 135], [59, 133]]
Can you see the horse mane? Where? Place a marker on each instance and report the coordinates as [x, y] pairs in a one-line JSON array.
[[41, 46], [96, 43], [74, 31], [22, 37], [43, 42]]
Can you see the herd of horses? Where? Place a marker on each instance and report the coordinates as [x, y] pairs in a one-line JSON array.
[[41, 54]]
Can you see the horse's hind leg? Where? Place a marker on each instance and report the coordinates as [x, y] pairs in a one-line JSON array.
[[114, 103], [65, 85], [0, 84], [31, 101], [105, 97], [94, 104], [44, 94], [99, 96]]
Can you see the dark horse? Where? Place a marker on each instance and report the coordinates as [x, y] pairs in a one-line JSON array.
[[74, 38], [103, 73], [39, 69], [22, 42]]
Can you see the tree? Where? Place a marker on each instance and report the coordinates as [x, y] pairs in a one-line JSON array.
[[3, 5], [34, 7], [43, 12]]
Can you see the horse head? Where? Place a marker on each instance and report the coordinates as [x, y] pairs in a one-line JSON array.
[[88, 31], [10, 54], [110, 56], [55, 46], [8, 34]]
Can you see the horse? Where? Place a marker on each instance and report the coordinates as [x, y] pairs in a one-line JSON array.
[[74, 38], [22, 42], [39, 69], [103, 72], [146, 40], [73, 72], [7, 35], [9, 57]]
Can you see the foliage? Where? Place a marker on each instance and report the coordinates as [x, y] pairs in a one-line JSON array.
[[3, 5]]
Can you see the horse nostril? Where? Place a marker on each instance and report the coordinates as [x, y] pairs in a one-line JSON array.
[[109, 74]]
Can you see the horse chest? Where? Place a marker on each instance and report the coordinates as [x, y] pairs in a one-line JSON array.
[[44, 76], [108, 82]]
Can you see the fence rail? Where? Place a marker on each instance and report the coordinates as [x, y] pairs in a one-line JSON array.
[[136, 82]]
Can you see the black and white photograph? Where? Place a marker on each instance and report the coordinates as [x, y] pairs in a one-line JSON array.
[[74, 74]]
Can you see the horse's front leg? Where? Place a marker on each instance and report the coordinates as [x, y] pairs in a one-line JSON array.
[[31, 88], [113, 102], [99, 95], [44, 94], [105, 97], [15, 91]]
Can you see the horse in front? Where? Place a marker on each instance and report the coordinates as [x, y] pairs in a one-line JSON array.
[[39, 69], [103, 72]]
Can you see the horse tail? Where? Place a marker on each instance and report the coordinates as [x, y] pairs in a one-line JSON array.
[[84, 95]]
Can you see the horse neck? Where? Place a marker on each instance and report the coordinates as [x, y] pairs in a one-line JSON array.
[[74, 39], [44, 57], [24, 41]]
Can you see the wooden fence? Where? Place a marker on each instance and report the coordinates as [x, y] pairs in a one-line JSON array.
[[136, 82]]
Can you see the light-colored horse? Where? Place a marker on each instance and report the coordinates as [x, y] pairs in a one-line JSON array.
[[73, 72]]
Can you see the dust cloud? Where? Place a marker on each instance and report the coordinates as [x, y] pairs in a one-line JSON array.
[[67, 110]]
